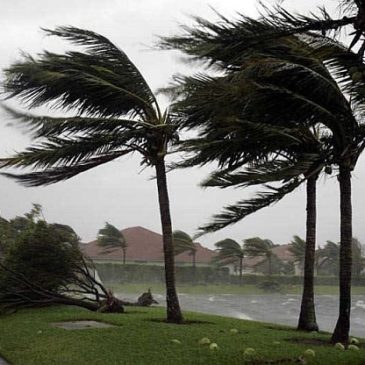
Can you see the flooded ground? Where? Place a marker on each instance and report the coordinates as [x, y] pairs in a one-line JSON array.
[[274, 308]]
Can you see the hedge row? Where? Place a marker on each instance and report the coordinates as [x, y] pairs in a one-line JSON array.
[[134, 273], [293, 280]]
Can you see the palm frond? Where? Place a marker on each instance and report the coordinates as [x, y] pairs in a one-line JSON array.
[[222, 41], [234, 213], [53, 175], [47, 126], [104, 81], [262, 173]]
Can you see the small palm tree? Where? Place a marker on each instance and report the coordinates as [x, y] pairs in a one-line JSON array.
[[257, 247], [109, 237], [329, 256], [297, 248], [184, 243], [115, 114], [358, 261], [230, 252]]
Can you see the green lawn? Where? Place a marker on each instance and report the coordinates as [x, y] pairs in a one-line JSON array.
[[227, 289], [142, 338]]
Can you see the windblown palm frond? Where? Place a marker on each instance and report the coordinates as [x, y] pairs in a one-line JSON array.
[[104, 81], [234, 213], [220, 42], [262, 173]]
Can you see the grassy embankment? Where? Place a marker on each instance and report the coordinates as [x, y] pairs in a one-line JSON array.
[[140, 337], [227, 289]]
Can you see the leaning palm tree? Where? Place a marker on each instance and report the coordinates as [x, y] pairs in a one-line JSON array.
[[230, 252], [324, 86], [289, 155], [115, 114], [109, 238], [184, 243], [258, 247]]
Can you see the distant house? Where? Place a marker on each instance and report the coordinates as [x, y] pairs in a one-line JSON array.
[[144, 247]]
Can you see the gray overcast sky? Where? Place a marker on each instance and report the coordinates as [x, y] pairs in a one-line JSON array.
[[119, 192]]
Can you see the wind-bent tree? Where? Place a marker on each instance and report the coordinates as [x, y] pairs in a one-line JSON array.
[[328, 258], [184, 243], [43, 265], [109, 237], [257, 247], [358, 261], [115, 114], [297, 248], [230, 252]]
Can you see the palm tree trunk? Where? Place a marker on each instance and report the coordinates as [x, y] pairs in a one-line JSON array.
[[124, 255], [194, 266], [241, 269], [307, 317], [174, 314], [342, 329]]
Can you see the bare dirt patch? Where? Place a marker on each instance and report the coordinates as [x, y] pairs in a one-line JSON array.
[[80, 325]]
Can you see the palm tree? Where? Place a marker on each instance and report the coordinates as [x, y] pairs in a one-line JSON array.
[[358, 261], [285, 154], [184, 243], [109, 237], [297, 248], [116, 114], [230, 252], [257, 247], [323, 86], [211, 39], [329, 256]]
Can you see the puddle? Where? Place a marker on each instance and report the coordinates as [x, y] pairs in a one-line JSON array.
[[80, 325]]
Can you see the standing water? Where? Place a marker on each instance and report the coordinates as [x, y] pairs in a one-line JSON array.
[[273, 308]]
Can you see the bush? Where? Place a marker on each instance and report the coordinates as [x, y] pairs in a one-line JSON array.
[[270, 286]]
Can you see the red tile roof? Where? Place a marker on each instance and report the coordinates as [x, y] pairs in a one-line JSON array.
[[144, 245]]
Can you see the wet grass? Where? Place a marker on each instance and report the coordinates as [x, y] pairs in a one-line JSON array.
[[227, 289], [141, 337]]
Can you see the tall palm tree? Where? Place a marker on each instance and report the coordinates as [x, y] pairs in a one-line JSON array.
[[230, 252], [109, 237], [257, 247], [116, 114], [185, 243], [325, 86]]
